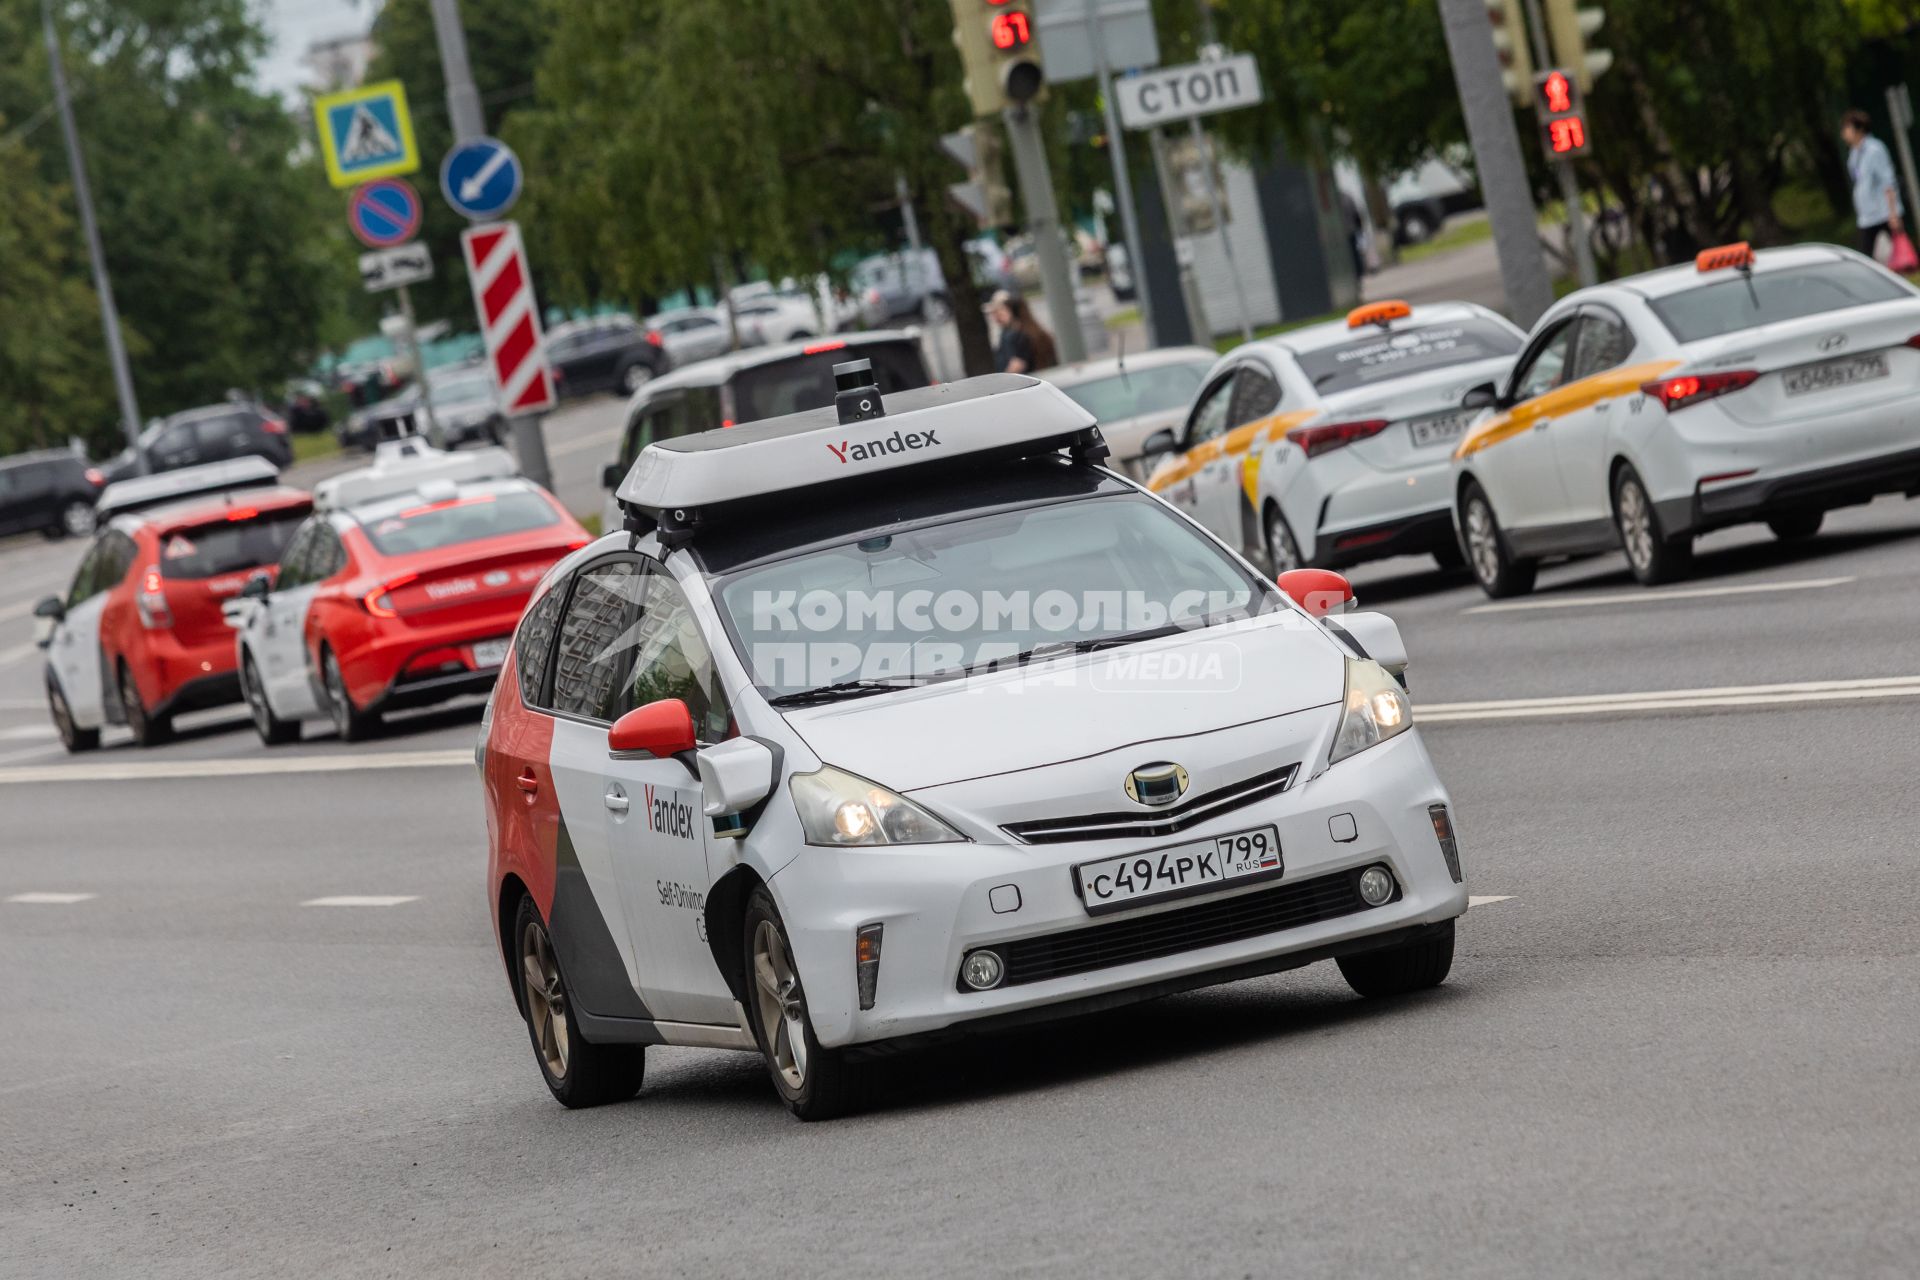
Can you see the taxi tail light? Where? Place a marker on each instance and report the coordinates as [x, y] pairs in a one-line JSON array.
[[1325, 438], [273, 426], [150, 601], [819, 348], [653, 339], [1692, 388], [96, 477], [376, 601]]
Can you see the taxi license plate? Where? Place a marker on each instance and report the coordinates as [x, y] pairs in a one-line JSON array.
[[1836, 373], [1444, 428], [489, 653], [1114, 884]]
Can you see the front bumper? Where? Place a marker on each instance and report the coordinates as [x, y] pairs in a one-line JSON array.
[[938, 902]]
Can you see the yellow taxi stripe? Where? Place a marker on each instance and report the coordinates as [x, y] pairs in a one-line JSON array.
[[1238, 442], [1608, 384]]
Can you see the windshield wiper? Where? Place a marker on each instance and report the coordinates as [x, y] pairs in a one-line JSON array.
[[1055, 648], [845, 689]]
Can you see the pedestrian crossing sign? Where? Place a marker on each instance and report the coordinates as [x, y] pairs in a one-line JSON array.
[[365, 133]]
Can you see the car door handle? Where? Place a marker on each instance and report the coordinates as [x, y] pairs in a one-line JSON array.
[[527, 782], [616, 801]]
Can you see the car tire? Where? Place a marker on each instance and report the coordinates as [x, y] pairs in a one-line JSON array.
[[76, 521], [1283, 553], [1449, 557], [1498, 571], [350, 723], [1797, 526], [635, 376], [1396, 971], [814, 1083], [273, 731], [149, 730], [578, 1072], [72, 736], [1654, 555]]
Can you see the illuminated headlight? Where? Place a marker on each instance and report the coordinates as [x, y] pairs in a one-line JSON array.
[[838, 808], [1376, 708]]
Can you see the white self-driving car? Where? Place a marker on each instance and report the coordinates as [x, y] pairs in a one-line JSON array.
[[881, 722], [1748, 387], [1330, 445]]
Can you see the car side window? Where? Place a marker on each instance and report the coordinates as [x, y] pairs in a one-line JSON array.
[[330, 555], [1605, 343], [1546, 365], [294, 560], [176, 443], [1256, 394], [596, 639], [119, 559], [670, 659], [87, 578], [1209, 417], [535, 641]]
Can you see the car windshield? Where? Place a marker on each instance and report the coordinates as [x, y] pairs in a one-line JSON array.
[[455, 520], [1738, 302], [1139, 391], [473, 386], [1381, 357], [227, 546], [805, 381], [948, 599]]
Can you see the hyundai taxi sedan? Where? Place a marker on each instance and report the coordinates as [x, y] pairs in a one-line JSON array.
[[882, 722], [400, 591], [140, 636], [1768, 386], [1330, 445]]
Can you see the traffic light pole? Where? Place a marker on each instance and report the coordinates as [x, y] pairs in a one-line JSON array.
[[1496, 153], [1122, 181], [1569, 181], [1043, 224], [463, 109]]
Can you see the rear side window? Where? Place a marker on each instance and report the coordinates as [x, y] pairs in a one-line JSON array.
[[1737, 302], [535, 642], [445, 524], [588, 671], [1381, 357], [208, 550], [806, 381]]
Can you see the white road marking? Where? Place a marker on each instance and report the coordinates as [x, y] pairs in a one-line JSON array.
[[52, 899], [1655, 597], [29, 731], [134, 770], [597, 440], [14, 654], [1487, 900], [362, 900], [1757, 695]]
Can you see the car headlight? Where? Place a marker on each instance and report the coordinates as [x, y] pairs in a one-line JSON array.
[[1376, 708], [838, 808]]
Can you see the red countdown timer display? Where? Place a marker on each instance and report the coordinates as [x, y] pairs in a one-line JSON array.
[[1563, 119], [1567, 136], [1011, 30]]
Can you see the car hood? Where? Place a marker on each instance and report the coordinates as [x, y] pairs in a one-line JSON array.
[[1067, 708]]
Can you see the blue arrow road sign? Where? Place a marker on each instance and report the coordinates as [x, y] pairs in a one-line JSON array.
[[384, 213], [481, 179]]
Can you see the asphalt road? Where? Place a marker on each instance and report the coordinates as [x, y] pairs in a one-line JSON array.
[[1679, 1038]]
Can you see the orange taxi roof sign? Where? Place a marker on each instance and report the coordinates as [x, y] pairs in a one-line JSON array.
[[1726, 255], [1378, 313]]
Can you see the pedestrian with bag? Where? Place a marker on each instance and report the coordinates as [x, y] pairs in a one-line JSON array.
[[1877, 208]]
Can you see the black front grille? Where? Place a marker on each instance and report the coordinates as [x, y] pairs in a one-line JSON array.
[[1164, 822], [1249, 915]]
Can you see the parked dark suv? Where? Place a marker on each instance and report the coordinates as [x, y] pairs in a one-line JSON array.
[[212, 434], [52, 491]]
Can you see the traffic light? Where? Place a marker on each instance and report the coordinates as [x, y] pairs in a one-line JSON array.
[[1569, 26], [999, 54], [1510, 42], [979, 150], [1563, 115]]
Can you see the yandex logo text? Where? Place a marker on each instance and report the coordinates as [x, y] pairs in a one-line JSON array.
[[669, 815], [898, 442]]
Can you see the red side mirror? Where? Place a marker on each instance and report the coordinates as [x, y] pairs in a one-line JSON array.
[[662, 729], [1318, 591]]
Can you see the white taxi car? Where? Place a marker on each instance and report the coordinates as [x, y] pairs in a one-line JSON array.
[[879, 722], [1748, 387], [1329, 445]]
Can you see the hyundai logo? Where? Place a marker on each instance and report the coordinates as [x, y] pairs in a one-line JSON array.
[[1833, 342], [1156, 785]]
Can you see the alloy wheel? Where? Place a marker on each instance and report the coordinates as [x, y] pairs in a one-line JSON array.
[[546, 998], [1282, 553], [636, 377], [782, 1006], [1483, 540], [256, 698], [1636, 524], [77, 519], [337, 705]]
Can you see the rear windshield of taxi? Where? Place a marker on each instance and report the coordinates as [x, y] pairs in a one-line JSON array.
[[806, 381], [1381, 356], [1733, 302], [242, 541], [432, 525]]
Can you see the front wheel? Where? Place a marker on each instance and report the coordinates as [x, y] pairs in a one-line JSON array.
[[1283, 553], [815, 1083], [1499, 572], [273, 731], [1654, 555], [1395, 971], [149, 730], [1797, 527], [577, 1071], [76, 519], [634, 377], [349, 722]]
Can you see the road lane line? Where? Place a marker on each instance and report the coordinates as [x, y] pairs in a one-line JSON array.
[[51, 899], [1719, 691], [1675, 700], [140, 770], [1487, 900], [1655, 597], [12, 655], [362, 900], [29, 731]]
